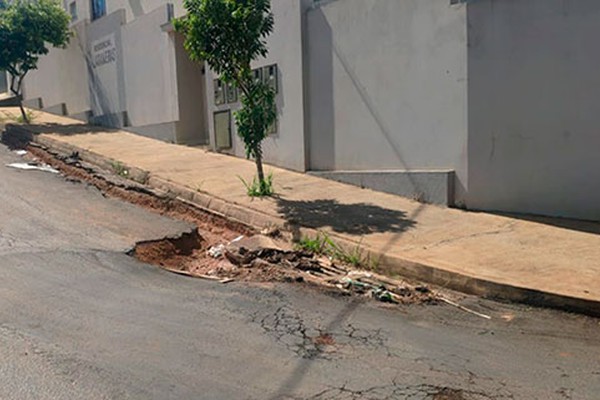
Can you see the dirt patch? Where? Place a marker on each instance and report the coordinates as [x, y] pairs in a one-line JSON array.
[[171, 253], [324, 339]]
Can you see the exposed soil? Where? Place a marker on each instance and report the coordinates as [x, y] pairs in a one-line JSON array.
[[224, 250]]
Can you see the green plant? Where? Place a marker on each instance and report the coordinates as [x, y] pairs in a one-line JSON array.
[[8, 116], [323, 244], [229, 35], [29, 117], [312, 245], [120, 169], [26, 27], [256, 188]]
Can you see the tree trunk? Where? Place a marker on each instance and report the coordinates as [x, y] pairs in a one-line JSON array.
[[17, 92], [23, 113], [259, 170]]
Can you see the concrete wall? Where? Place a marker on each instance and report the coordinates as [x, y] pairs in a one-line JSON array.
[[62, 75], [534, 107], [192, 127], [150, 72], [3, 82], [106, 70], [387, 86], [137, 8], [286, 147]]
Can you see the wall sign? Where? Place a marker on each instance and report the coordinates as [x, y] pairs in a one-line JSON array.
[[104, 51]]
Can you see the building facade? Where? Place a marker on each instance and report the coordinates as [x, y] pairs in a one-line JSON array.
[[486, 104]]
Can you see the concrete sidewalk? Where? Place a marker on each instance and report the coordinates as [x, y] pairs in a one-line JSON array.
[[543, 261]]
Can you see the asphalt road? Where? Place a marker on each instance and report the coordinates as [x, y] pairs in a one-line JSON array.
[[79, 319]]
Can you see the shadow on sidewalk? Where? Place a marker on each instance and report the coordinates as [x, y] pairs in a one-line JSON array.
[[68, 129], [354, 219]]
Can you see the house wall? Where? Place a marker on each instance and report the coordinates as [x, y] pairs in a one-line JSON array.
[[149, 68], [3, 82], [133, 85], [106, 70], [286, 148], [387, 86], [192, 126], [137, 8], [534, 107], [62, 76]]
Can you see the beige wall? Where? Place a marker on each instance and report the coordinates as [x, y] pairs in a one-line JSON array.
[[388, 84], [534, 107]]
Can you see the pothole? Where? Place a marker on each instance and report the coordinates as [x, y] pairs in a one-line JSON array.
[[170, 253]]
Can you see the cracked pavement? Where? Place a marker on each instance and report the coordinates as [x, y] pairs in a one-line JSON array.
[[81, 319]]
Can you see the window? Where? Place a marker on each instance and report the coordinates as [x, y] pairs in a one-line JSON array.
[[98, 9], [73, 10], [220, 95]]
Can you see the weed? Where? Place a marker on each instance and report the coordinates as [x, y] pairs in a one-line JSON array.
[[18, 118], [323, 244], [313, 245], [257, 188], [120, 169]]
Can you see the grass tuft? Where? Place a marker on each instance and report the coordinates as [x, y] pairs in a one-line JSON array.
[[257, 188], [324, 245]]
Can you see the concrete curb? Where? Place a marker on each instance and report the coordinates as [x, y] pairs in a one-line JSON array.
[[390, 265]]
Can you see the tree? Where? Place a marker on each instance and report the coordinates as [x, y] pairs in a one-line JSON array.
[[26, 27], [229, 35]]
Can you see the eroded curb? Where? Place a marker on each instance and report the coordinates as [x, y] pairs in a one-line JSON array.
[[388, 264]]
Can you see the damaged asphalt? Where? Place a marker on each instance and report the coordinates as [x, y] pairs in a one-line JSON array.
[[81, 319]]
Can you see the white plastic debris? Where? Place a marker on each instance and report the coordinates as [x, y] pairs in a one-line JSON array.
[[20, 152], [33, 166], [216, 251], [237, 239], [359, 274]]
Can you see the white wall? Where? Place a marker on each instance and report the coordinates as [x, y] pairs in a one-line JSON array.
[[107, 78], [534, 107], [137, 8], [388, 86], [4, 83], [192, 127], [62, 75], [150, 72], [286, 148]]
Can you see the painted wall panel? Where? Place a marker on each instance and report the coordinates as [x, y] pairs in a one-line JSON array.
[[534, 107], [387, 83]]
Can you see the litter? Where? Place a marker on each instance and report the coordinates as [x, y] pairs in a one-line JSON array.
[[33, 166], [216, 251], [463, 308], [237, 239], [20, 152], [360, 274]]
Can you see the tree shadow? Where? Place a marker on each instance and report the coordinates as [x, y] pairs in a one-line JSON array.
[[354, 219]]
